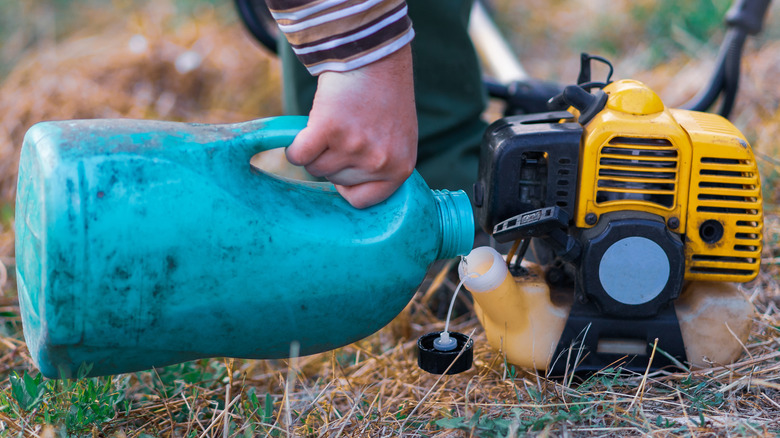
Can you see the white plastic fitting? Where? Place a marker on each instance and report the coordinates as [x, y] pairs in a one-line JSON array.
[[444, 342]]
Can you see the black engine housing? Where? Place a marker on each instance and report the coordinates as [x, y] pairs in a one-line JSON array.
[[527, 162]]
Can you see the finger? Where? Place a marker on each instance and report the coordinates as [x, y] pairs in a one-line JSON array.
[[307, 146], [368, 194], [350, 176], [329, 163]]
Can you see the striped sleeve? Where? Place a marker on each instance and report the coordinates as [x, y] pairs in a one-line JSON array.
[[342, 35]]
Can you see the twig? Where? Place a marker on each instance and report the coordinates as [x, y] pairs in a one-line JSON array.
[[763, 394], [736, 366], [345, 420], [764, 383], [640, 389], [222, 413], [577, 358], [368, 414], [290, 383], [225, 422], [684, 412], [315, 400], [165, 396], [193, 414]]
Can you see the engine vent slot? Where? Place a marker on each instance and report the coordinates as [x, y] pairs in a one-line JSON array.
[[711, 258], [723, 271], [637, 169]]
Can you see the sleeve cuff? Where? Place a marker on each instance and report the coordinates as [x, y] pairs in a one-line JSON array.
[[344, 35]]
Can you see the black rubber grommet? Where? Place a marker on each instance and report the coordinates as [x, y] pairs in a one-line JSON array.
[[431, 360], [711, 231]]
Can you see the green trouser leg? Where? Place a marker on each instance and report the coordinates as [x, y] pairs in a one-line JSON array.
[[448, 88]]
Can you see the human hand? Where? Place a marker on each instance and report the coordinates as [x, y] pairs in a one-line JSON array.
[[362, 130]]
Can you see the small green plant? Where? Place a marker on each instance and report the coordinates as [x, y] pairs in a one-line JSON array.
[[76, 405], [262, 413], [478, 425], [27, 391], [170, 381]]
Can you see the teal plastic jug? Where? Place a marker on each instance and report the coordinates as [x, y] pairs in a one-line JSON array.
[[144, 243]]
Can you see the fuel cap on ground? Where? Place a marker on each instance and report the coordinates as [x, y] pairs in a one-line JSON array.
[[435, 358]]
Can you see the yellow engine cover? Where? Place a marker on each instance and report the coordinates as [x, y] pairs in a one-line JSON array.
[[695, 170], [725, 187]]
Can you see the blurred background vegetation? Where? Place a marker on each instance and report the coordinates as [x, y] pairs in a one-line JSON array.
[[27, 24], [665, 28]]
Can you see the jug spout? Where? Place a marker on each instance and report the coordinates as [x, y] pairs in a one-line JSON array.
[[456, 222]]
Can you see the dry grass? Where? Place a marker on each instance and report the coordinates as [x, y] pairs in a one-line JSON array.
[[373, 387]]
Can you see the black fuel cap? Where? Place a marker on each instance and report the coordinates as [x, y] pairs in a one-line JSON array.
[[436, 360]]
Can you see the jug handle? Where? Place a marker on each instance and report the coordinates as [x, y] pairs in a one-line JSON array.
[[261, 135]]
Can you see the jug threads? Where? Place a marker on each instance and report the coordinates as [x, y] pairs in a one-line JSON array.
[[456, 223]]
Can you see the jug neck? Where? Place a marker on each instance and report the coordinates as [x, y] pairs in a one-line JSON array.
[[456, 222]]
